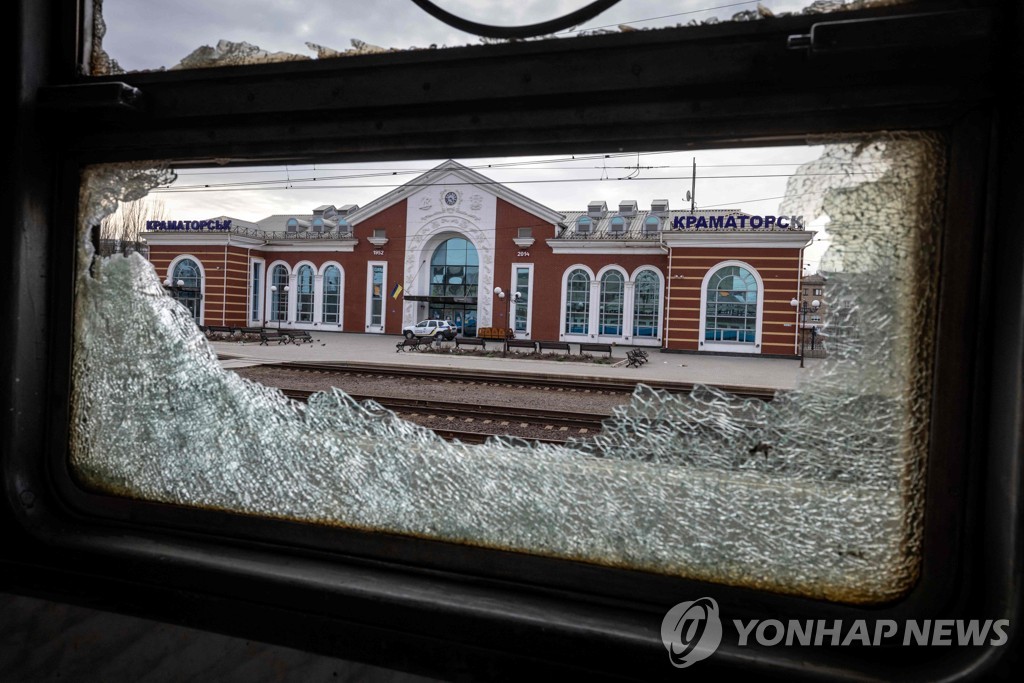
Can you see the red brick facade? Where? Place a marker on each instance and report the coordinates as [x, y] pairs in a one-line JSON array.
[[637, 280]]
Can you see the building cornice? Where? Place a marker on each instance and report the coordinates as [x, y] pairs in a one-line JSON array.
[[582, 246], [753, 239], [214, 239]]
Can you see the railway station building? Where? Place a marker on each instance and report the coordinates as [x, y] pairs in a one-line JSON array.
[[440, 245]]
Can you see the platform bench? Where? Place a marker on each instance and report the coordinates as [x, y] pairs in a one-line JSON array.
[[406, 344], [218, 330], [268, 334], [250, 331], [553, 346], [522, 344], [596, 348], [470, 341], [636, 358], [299, 336]]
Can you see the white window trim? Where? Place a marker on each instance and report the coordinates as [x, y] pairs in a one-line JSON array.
[[294, 296], [529, 300], [268, 298], [256, 295], [383, 297], [731, 347], [202, 281], [595, 305], [631, 292], [562, 334], [318, 314]]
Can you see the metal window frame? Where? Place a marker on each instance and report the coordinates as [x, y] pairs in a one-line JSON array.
[[445, 610]]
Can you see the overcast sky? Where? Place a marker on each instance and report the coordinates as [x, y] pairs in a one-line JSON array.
[[149, 34]]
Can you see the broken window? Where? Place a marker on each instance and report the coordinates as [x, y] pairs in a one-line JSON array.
[[817, 492], [194, 34]]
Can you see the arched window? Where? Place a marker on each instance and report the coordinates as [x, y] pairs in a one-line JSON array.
[[187, 286], [292, 225], [646, 294], [612, 289], [318, 224], [305, 295], [279, 297], [577, 302], [454, 269], [652, 225], [731, 313], [332, 295], [618, 225], [584, 225]]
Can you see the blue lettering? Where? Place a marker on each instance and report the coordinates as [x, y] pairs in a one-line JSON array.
[[677, 222], [798, 222], [730, 222], [702, 222], [690, 220], [781, 222], [716, 221], [769, 222], [756, 221]]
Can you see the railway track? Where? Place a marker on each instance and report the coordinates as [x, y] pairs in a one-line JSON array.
[[474, 423], [496, 378], [487, 420]]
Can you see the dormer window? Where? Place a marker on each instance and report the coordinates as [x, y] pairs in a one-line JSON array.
[[652, 225], [597, 209], [584, 225], [618, 225], [318, 224], [627, 207], [343, 226], [659, 206], [292, 225]]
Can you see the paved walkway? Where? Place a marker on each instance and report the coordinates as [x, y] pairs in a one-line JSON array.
[[680, 367]]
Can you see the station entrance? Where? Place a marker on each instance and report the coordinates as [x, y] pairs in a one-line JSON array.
[[463, 315]]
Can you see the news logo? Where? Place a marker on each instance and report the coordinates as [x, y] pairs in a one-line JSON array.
[[691, 631]]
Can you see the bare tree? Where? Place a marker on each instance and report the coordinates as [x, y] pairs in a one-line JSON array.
[[121, 231]]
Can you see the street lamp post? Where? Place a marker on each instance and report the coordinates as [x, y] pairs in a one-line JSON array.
[[277, 310], [803, 308], [273, 289], [508, 307]]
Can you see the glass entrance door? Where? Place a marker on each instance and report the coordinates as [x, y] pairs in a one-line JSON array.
[[463, 316]]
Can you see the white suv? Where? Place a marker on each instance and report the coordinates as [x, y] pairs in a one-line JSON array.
[[430, 328]]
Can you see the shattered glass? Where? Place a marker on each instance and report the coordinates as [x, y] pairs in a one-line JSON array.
[[324, 29], [818, 492]]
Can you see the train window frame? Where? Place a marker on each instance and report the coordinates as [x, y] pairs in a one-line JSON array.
[[365, 599]]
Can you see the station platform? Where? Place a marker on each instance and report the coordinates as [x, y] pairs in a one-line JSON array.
[[328, 347]]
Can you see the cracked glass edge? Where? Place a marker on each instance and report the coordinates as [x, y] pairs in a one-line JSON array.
[[819, 492]]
